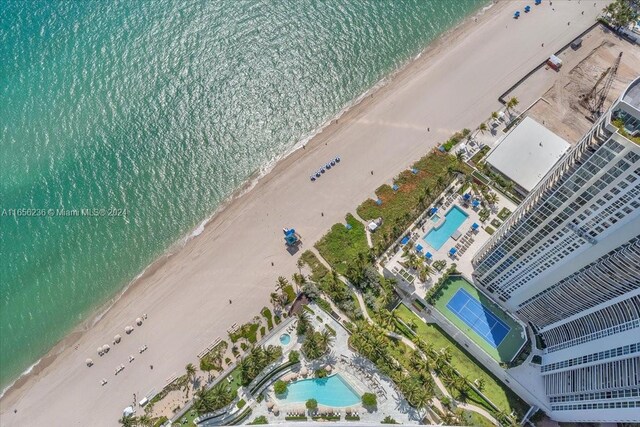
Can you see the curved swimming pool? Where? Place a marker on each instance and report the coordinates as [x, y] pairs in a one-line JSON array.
[[333, 391]]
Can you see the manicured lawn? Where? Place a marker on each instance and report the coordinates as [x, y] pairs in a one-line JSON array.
[[318, 270], [494, 389], [400, 208], [267, 315], [291, 294], [511, 343], [341, 246], [476, 420]]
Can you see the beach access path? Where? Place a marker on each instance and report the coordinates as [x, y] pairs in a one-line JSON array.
[[453, 85]]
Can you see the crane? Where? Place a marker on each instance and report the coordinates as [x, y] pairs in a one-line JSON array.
[[595, 98]]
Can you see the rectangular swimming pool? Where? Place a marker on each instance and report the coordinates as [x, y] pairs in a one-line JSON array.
[[478, 317], [437, 237]]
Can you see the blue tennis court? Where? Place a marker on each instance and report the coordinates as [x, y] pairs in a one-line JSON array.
[[478, 317]]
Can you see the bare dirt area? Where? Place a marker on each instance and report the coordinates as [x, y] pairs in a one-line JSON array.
[[554, 97]]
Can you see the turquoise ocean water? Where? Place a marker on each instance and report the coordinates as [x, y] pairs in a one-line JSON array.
[[161, 108]]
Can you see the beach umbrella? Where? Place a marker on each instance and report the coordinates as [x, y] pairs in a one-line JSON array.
[[475, 226], [128, 329], [138, 321], [404, 240], [304, 371], [117, 338], [337, 159], [89, 362], [328, 368], [106, 348], [428, 255], [419, 248], [294, 376], [270, 405], [452, 251], [276, 410], [127, 411]]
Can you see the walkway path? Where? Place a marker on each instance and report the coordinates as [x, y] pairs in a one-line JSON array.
[[407, 342]]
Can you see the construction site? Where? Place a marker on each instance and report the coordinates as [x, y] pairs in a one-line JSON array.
[[593, 73]]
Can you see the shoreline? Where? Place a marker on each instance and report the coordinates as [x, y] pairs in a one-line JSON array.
[[93, 316], [351, 123]]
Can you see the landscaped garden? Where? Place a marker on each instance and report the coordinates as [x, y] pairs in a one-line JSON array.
[[417, 189], [342, 246], [497, 392]]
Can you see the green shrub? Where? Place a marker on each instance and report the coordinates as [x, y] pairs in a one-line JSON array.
[[311, 404], [489, 230], [351, 418], [369, 399], [495, 223], [241, 403], [294, 356], [259, 420], [388, 420], [504, 213], [263, 331], [318, 270], [267, 315], [341, 247], [280, 387], [321, 373]]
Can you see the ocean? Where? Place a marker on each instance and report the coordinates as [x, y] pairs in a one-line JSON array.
[[125, 124]]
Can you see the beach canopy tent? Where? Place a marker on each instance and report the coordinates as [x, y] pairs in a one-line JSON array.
[[537, 2], [378, 202], [348, 226], [475, 203], [128, 411], [527, 9], [419, 248], [475, 226], [395, 187], [372, 226], [452, 251], [466, 196], [433, 211], [516, 14], [428, 255], [554, 62], [404, 240]]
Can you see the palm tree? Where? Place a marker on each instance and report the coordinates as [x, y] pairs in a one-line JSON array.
[[491, 198], [440, 181], [421, 403], [218, 396], [145, 420], [281, 283], [191, 372], [299, 280], [494, 115], [127, 420], [480, 384], [460, 157], [275, 300], [482, 128], [300, 264], [424, 272], [386, 318], [512, 103]]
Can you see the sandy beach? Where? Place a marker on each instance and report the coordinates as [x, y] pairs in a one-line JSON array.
[[454, 84]]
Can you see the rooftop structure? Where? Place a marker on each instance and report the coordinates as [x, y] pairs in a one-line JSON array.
[[527, 153]]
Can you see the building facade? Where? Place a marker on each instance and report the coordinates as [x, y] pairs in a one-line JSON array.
[[567, 262]]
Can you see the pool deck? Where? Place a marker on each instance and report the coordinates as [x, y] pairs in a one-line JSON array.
[[468, 243], [359, 373]]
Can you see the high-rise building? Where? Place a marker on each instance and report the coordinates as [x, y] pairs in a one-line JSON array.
[[567, 262]]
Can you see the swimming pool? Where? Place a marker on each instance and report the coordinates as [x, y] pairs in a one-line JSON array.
[[437, 237], [333, 391], [285, 339]]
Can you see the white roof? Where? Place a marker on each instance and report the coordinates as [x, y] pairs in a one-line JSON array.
[[527, 153], [372, 226]]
